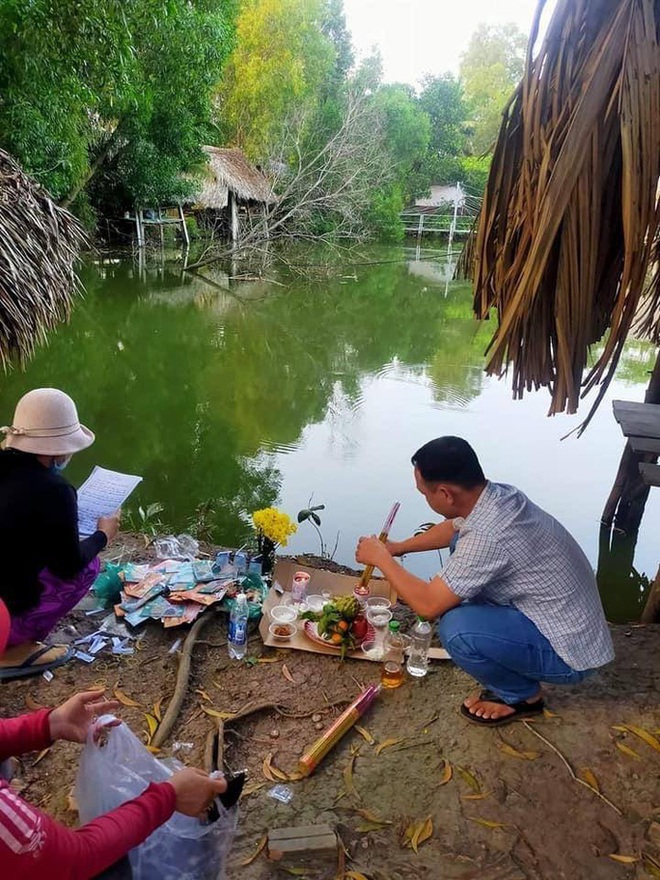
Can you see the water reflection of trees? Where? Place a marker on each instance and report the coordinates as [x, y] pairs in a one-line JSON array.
[[185, 388]]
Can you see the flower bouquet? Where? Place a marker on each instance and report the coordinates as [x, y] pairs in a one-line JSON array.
[[273, 530]]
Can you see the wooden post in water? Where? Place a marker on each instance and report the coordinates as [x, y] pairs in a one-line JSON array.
[[233, 207], [184, 228]]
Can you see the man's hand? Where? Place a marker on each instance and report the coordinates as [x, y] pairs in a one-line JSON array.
[[395, 548], [195, 791], [371, 551], [109, 524], [71, 721]]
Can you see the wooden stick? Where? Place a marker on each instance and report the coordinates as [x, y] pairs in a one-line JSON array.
[[570, 769]]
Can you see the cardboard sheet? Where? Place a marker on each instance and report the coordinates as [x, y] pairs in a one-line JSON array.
[[320, 580]]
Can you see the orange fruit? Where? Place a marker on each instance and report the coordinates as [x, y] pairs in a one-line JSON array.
[[335, 638], [342, 625]]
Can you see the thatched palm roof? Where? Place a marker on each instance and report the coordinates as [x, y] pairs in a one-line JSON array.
[[568, 232], [230, 170], [39, 248]]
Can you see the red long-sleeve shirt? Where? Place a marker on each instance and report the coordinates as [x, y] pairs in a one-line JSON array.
[[33, 846]]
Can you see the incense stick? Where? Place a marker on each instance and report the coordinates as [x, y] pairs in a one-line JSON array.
[[384, 532]]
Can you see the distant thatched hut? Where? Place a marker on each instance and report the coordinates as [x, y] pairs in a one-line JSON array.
[[39, 248], [231, 188]]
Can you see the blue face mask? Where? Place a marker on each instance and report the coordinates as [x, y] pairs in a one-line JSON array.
[[58, 466]]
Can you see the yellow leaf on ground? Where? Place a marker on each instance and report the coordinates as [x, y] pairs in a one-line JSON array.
[[266, 660], [157, 712], [423, 832], [475, 797], [487, 823], [355, 875], [386, 744], [620, 727], [215, 714], [153, 750], [31, 704], [622, 747], [447, 771], [364, 733], [152, 724], [204, 695], [370, 816], [287, 674], [271, 772], [365, 827], [42, 754], [348, 778], [409, 833], [626, 860], [548, 714], [648, 738], [507, 749], [587, 775], [255, 855], [470, 778], [123, 698]]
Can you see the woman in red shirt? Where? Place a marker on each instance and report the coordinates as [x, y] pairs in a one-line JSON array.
[[33, 846]]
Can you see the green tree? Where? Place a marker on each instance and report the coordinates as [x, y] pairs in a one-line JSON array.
[[281, 61], [118, 91], [491, 68]]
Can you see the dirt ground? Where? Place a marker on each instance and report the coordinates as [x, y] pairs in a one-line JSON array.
[[510, 810]]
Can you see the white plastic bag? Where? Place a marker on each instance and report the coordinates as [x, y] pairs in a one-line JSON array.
[[183, 848]]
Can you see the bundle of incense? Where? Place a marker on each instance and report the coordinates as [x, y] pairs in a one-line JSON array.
[[329, 739], [363, 583]]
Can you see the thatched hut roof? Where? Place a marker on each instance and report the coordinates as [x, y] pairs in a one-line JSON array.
[[39, 248], [230, 170], [568, 245]]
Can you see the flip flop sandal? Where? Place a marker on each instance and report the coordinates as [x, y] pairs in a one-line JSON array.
[[28, 666], [522, 709]]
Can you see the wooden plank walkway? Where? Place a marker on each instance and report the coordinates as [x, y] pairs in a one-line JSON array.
[[640, 423]]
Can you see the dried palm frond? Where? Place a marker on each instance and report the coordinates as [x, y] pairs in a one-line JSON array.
[[569, 224], [39, 247]]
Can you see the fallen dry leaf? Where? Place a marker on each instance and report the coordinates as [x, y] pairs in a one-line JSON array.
[[296, 872], [287, 674], [651, 866], [548, 714], [365, 734], [355, 875], [204, 695], [251, 788], [648, 738], [487, 823], [626, 860], [409, 833], [507, 749], [622, 747], [295, 777], [31, 704], [470, 778], [215, 714], [42, 754], [267, 660], [423, 832], [152, 724], [157, 712], [587, 775], [365, 827], [153, 750], [271, 772], [370, 816], [255, 855], [620, 727], [123, 698], [386, 744], [348, 778], [447, 772], [475, 797]]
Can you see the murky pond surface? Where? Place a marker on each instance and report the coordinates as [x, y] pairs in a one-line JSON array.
[[240, 394]]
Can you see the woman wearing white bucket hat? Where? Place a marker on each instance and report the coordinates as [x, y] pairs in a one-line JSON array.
[[46, 568]]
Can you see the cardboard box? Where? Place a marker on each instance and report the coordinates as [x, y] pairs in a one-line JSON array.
[[321, 580]]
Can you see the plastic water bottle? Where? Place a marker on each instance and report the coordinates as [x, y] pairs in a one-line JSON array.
[[238, 626], [420, 642]]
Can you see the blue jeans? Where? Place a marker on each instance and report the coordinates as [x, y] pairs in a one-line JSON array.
[[501, 647]]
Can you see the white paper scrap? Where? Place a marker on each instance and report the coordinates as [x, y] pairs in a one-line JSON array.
[[87, 658], [101, 494], [48, 675]]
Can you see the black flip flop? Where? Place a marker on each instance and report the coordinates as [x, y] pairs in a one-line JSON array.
[[27, 667], [522, 709]]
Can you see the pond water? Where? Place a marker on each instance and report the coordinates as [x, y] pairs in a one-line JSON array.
[[321, 386]]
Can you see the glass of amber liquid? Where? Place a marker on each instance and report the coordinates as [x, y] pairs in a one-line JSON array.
[[391, 675]]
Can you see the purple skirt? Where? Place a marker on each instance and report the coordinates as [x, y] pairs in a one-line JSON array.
[[57, 599]]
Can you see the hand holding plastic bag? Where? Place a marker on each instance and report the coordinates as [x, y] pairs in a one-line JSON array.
[[119, 769]]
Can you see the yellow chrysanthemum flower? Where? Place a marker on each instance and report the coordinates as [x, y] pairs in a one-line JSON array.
[[274, 525]]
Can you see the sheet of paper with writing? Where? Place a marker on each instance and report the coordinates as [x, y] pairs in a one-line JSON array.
[[101, 494]]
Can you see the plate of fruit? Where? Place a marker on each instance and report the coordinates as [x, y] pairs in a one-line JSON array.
[[340, 624]]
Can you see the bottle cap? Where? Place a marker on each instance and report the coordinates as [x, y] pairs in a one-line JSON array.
[[421, 619], [394, 626]]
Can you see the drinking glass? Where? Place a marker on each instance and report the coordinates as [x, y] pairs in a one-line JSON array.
[[379, 616]]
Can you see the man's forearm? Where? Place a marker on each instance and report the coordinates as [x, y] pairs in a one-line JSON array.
[[435, 538], [428, 599]]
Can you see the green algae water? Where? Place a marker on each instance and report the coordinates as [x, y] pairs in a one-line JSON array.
[[318, 382]]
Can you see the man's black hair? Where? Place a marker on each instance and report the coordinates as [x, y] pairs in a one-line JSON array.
[[449, 460]]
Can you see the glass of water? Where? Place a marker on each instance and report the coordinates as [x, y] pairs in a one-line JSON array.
[[379, 616]]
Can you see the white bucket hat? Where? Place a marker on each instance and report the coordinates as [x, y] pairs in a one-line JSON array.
[[46, 423]]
